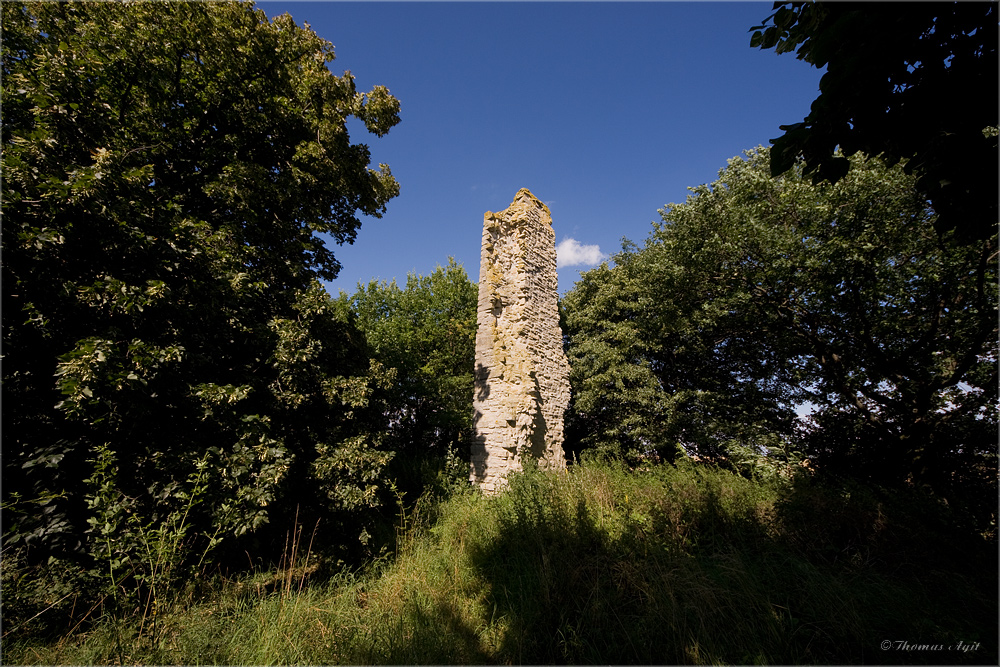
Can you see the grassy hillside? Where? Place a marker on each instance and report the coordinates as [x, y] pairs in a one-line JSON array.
[[601, 565]]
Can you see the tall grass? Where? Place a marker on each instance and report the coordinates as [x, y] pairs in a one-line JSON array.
[[669, 565]]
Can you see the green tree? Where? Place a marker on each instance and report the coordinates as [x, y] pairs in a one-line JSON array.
[[759, 293], [916, 84], [168, 171], [426, 334]]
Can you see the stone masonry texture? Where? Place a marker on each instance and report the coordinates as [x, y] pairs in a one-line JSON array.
[[522, 374]]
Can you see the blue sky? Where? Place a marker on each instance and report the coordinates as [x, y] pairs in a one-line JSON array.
[[605, 111]]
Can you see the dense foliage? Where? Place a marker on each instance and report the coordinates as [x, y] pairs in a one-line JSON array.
[[917, 84], [425, 334], [759, 294], [170, 358]]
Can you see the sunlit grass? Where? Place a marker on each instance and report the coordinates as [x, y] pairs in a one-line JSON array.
[[603, 565]]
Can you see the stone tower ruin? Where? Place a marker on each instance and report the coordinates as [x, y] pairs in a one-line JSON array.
[[522, 374]]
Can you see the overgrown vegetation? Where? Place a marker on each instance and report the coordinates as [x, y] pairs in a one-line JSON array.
[[171, 361], [686, 564], [207, 459], [759, 294], [425, 334]]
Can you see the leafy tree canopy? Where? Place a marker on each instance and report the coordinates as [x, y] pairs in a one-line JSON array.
[[426, 333], [759, 293], [168, 168], [914, 83]]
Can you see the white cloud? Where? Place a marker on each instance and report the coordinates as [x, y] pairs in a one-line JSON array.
[[569, 252]]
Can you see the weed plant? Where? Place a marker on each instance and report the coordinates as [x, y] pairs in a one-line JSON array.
[[602, 564]]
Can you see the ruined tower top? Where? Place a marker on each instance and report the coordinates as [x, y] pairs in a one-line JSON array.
[[522, 374]]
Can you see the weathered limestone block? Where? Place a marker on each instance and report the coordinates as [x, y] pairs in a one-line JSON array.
[[522, 374]]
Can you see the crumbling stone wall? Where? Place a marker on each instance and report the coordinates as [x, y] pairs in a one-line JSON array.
[[522, 374]]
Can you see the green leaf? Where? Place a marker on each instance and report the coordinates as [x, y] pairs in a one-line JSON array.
[[784, 18], [770, 38]]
